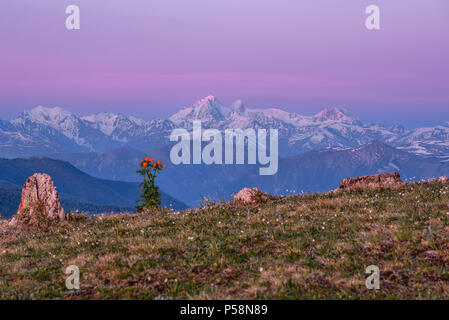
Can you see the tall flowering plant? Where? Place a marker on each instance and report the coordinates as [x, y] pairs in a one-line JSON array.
[[150, 196]]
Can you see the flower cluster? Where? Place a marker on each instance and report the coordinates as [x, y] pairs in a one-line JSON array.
[[150, 196], [148, 162]]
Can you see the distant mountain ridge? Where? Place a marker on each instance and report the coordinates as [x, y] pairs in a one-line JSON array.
[[78, 189], [316, 170], [43, 131], [323, 170]]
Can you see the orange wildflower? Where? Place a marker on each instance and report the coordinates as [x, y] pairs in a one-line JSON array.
[[145, 164], [154, 165]]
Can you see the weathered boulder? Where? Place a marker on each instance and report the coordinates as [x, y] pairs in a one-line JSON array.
[[251, 195], [372, 181], [40, 200]]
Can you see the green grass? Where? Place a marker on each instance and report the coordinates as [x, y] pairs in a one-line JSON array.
[[297, 247]]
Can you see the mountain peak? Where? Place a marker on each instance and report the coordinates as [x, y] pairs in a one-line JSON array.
[[52, 117], [332, 114], [46, 114], [208, 109], [210, 100], [210, 104]]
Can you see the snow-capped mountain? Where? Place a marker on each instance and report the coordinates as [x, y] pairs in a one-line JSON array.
[[433, 141], [332, 127], [131, 131], [209, 110], [72, 127], [44, 130]]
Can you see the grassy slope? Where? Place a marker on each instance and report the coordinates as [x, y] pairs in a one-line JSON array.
[[314, 246]]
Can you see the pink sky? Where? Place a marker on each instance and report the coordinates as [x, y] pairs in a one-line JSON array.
[[149, 58]]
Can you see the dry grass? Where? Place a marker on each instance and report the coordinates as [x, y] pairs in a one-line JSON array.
[[298, 247]]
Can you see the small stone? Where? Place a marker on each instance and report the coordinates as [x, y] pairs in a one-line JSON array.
[[432, 254], [443, 179], [251, 195]]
